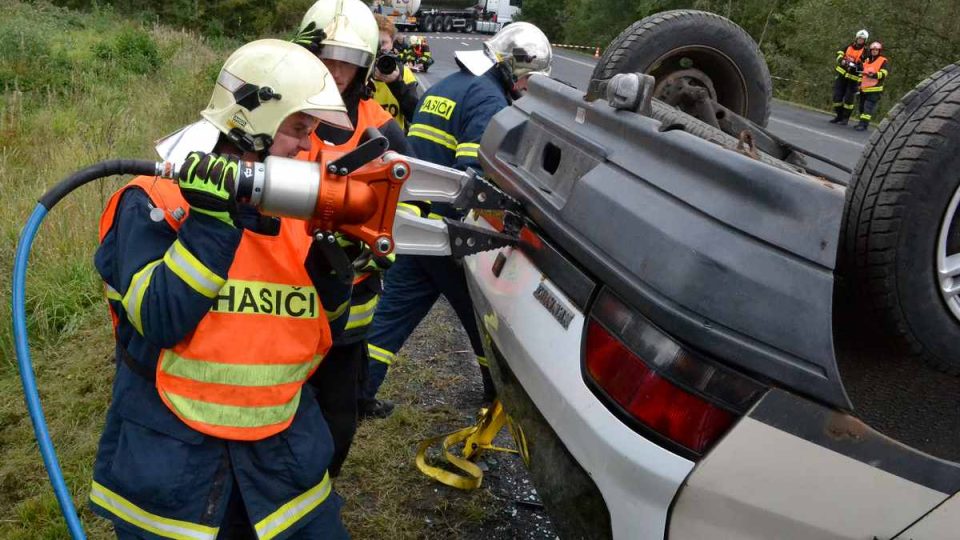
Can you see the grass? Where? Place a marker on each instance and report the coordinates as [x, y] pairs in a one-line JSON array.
[[76, 89]]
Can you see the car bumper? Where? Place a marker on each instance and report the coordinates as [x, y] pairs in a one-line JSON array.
[[636, 478]]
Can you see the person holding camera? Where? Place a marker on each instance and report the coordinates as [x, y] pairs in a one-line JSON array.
[[395, 85]]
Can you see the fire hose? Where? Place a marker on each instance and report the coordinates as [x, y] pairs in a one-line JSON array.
[[354, 193]]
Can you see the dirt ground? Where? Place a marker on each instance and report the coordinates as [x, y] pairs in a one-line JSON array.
[[436, 385]]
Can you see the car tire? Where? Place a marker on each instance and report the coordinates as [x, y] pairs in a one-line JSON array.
[[901, 223], [703, 48], [448, 23]]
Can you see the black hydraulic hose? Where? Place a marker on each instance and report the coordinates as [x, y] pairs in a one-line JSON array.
[[96, 172]]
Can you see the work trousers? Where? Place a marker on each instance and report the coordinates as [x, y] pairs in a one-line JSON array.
[[411, 287], [337, 382], [869, 101], [844, 95]]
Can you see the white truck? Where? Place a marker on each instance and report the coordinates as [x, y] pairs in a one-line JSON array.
[[488, 16]]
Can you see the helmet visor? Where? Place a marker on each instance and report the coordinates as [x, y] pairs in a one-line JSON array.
[[349, 55], [337, 119]]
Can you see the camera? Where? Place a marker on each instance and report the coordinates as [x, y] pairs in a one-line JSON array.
[[387, 63]]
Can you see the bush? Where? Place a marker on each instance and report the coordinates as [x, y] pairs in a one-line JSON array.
[[132, 50]]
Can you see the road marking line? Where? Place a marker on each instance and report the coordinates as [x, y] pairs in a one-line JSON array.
[[581, 62], [818, 132], [464, 43]]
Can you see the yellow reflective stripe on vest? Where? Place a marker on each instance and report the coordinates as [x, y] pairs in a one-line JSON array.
[[160, 526], [133, 300], [337, 313], [872, 89], [380, 355], [263, 298], [232, 415], [288, 514], [468, 149], [362, 315], [193, 272], [433, 134], [236, 374]]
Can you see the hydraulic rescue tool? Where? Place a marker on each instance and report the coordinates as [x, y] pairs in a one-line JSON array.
[[354, 193]]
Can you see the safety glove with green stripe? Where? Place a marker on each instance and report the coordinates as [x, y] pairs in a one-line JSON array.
[[207, 183]]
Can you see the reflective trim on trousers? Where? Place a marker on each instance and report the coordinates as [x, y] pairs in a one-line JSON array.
[[380, 355], [290, 513], [140, 518]]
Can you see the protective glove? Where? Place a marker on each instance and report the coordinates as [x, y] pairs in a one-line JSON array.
[[207, 182]]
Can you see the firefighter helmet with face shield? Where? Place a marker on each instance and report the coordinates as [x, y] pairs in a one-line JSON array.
[[263, 83], [343, 30], [523, 48], [863, 34]]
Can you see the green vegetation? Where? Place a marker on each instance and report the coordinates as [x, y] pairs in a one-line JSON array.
[[74, 89], [798, 37]]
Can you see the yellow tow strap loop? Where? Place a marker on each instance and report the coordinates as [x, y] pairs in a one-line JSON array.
[[475, 439]]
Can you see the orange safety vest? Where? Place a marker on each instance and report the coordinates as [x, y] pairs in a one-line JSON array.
[[369, 114], [239, 374], [854, 53], [872, 65]]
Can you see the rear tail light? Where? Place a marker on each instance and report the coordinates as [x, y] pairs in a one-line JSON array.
[[658, 387]]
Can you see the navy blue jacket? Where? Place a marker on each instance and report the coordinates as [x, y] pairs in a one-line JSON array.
[[452, 116], [153, 474]]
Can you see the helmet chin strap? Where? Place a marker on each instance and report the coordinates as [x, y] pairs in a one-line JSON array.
[[259, 143]]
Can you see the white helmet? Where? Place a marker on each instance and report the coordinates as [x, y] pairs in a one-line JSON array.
[[343, 30], [863, 34], [523, 48], [264, 82]]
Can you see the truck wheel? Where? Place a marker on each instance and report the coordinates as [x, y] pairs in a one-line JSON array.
[[697, 48], [428, 24], [900, 251], [448, 23]]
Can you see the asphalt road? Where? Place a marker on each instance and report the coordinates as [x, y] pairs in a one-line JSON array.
[[801, 127]]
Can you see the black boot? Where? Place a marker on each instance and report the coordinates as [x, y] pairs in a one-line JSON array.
[[374, 408], [862, 126]]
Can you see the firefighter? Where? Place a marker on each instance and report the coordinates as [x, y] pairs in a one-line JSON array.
[[847, 82], [446, 130], [420, 53], [345, 36], [396, 91], [220, 318], [876, 68]]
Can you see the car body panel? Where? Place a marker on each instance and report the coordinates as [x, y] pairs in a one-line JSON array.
[[943, 523], [760, 483], [544, 356], [751, 246]]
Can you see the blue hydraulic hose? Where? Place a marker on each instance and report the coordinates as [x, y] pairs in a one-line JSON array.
[[40, 430]]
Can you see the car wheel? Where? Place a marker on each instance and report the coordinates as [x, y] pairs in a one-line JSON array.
[[901, 242], [685, 47], [448, 23]]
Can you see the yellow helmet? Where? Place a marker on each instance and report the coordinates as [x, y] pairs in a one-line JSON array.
[[264, 82], [343, 30]]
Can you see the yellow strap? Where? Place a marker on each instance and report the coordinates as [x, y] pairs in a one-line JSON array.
[[475, 439]]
